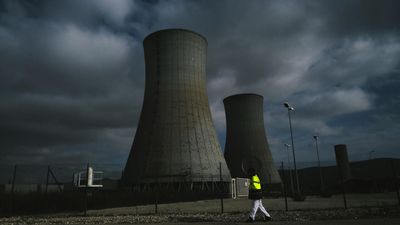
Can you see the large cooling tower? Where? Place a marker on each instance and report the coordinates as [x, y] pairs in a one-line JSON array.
[[175, 140], [342, 161], [246, 142]]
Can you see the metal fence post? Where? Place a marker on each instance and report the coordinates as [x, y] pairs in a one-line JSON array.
[[343, 188], [396, 183], [47, 179], [221, 187], [284, 186], [156, 197], [86, 189], [12, 188], [13, 179]]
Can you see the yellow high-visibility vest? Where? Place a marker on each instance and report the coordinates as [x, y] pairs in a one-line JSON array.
[[255, 183]]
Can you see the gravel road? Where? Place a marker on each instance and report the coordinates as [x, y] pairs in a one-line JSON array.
[[280, 217], [363, 209]]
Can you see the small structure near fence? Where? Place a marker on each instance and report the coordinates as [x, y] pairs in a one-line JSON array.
[[240, 187], [88, 178]]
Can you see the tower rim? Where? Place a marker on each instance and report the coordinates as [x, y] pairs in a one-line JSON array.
[[340, 145], [243, 94], [174, 29]]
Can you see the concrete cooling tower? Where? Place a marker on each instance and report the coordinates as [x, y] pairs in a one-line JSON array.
[[246, 142], [175, 141], [342, 161]]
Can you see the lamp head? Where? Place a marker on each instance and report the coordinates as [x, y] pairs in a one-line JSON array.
[[286, 104]]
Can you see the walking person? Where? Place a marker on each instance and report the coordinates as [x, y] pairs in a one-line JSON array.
[[255, 194]]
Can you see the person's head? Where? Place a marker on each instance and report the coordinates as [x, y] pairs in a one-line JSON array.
[[251, 172]]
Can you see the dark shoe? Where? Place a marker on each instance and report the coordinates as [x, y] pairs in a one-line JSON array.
[[249, 220], [267, 218]]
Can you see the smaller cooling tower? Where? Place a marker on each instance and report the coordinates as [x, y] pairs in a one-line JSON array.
[[246, 142], [342, 161]]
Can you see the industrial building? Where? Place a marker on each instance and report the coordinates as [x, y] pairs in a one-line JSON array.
[[246, 141], [175, 142], [342, 161]]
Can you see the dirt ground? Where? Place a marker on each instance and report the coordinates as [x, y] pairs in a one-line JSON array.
[[362, 209], [275, 204]]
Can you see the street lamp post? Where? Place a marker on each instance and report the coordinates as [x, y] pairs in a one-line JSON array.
[[290, 108], [290, 169], [319, 163]]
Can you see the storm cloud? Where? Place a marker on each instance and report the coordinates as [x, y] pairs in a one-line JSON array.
[[72, 73]]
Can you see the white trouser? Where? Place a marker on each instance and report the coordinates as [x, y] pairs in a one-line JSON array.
[[255, 205]]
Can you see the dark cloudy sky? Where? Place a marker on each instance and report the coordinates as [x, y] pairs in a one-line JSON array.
[[72, 73]]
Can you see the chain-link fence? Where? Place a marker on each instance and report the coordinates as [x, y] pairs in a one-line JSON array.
[[31, 188]]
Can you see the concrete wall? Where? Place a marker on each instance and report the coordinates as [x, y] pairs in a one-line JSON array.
[[175, 140]]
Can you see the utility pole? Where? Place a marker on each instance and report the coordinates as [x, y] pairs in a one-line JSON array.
[[290, 108], [290, 169], [319, 164]]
